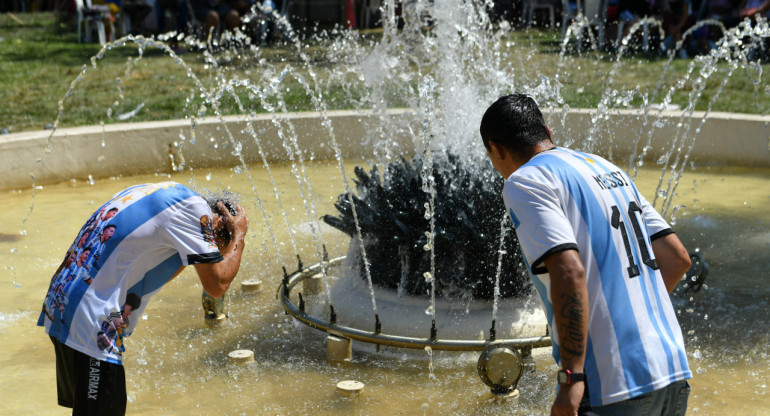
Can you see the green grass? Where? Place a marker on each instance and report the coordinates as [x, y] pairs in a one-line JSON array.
[[41, 58]]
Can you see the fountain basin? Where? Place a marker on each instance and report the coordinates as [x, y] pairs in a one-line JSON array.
[[287, 359]]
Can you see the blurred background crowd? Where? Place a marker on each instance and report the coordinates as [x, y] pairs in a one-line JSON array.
[[266, 19]]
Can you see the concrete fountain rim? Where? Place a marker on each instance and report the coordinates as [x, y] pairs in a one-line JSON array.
[[100, 151]]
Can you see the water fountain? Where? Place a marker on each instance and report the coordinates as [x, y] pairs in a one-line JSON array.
[[446, 77]]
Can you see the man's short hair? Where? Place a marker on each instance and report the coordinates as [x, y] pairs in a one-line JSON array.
[[514, 122], [133, 300], [230, 199]]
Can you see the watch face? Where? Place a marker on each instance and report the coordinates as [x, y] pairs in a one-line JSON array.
[[561, 377]]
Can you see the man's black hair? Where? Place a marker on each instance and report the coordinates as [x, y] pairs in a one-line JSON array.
[[133, 300], [109, 226], [228, 198], [514, 122]]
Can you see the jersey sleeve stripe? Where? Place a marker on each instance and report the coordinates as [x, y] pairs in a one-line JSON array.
[[539, 268], [661, 234], [213, 257]]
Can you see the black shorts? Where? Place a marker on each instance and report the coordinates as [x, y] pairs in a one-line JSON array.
[[87, 385]]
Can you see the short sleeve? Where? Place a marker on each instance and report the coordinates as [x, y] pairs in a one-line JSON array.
[[657, 227], [541, 225], [191, 232]]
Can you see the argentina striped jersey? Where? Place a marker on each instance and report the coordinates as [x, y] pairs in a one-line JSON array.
[[562, 199], [127, 250]]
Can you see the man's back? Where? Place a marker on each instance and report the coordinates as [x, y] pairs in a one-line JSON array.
[[152, 231], [561, 200]]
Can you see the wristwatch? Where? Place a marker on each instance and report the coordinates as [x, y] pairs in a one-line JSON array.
[[565, 376]]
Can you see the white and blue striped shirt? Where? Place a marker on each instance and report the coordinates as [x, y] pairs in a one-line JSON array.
[[156, 229], [563, 199]]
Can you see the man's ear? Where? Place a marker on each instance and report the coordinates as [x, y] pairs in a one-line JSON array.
[[216, 222], [497, 150]]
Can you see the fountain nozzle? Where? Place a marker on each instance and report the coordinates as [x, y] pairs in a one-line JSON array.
[[492, 331], [433, 331]]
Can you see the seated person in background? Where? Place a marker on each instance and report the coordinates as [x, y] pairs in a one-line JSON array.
[[137, 11], [726, 11], [677, 18], [212, 12], [629, 11]]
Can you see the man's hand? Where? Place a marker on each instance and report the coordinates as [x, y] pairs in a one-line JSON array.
[[234, 224], [216, 277], [568, 399]]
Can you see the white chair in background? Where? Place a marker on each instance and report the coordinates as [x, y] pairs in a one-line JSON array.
[[91, 17], [594, 11], [531, 5]]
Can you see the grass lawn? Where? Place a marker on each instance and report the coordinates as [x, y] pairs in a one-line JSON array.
[[40, 60]]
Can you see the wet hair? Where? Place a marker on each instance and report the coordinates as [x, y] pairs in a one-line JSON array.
[[133, 300], [514, 122], [230, 199]]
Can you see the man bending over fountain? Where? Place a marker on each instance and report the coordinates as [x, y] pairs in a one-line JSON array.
[[155, 231], [603, 261]]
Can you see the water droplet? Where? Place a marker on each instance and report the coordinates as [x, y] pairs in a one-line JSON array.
[[237, 170], [13, 250], [428, 311], [208, 177]]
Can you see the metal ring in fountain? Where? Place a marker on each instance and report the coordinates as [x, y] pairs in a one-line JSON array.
[[504, 366]]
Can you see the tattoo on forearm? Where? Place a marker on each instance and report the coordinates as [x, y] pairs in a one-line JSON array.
[[571, 332]]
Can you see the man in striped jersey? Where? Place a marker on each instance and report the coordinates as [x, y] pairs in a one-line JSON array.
[[603, 262], [145, 235]]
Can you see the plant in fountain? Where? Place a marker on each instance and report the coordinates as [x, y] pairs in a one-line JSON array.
[[468, 212]]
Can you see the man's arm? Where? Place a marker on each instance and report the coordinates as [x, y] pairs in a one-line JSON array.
[[569, 295], [216, 277], [672, 258]]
